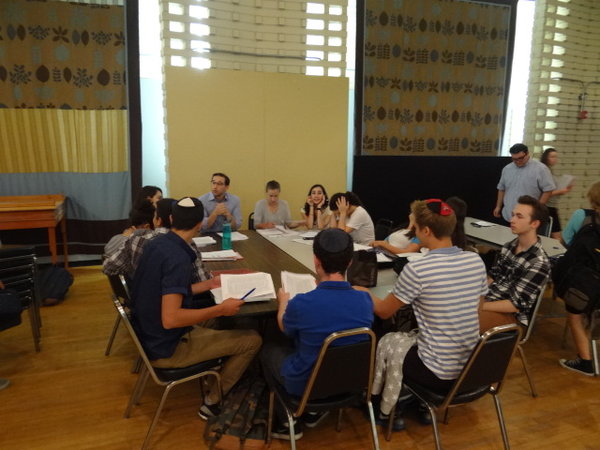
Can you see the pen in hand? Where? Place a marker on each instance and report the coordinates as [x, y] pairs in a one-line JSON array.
[[248, 293]]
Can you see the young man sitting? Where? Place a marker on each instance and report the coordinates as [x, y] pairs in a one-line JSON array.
[[522, 269], [162, 284], [307, 319], [444, 288]]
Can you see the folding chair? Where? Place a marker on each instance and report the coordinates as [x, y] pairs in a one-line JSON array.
[[383, 229], [120, 292], [18, 271], [529, 330], [483, 373], [168, 378], [251, 221], [326, 389]]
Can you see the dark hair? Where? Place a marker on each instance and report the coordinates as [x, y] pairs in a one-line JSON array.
[[222, 175], [546, 154], [142, 214], [147, 192], [350, 197], [306, 208], [518, 148], [539, 211], [273, 185], [163, 211], [460, 211], [333, 262], [187, 217]]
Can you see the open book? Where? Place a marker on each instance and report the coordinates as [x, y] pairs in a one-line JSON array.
[[238, 285], [297, 283], [221, 255]]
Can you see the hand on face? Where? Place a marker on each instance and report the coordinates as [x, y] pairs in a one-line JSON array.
[[309, 200], [342, 205]]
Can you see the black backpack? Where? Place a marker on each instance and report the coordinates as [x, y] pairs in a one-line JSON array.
[[53, 284], [576, 275]]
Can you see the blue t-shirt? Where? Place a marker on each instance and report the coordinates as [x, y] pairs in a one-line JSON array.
[[164, 268], [309, 318]]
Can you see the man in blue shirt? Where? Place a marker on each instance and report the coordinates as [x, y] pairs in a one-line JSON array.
[[524, 176], [162, 285], [307, 319], [220, 206]]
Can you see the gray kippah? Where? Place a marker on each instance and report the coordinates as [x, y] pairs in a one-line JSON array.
[[334, 240]]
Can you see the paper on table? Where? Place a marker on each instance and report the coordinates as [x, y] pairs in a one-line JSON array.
[[236, 236], [358, 247], [237, 286], [564, 181], [303, 241], [203, 241], [221, 255], [297, 283], [270, 232], [309, 234], [483, 223]]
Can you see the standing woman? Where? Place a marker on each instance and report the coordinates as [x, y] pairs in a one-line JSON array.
[[271, 211], [316, 211], [550, 159], [350, 216]]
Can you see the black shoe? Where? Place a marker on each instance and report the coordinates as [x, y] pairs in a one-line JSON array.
[[397, 425], [207, 411], [283, 432], [424, 415], [311, 420], [583, 366]]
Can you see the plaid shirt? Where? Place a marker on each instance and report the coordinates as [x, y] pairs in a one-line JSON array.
[[519, 277], [126, 259]]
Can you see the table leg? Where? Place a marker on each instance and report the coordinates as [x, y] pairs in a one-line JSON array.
[[63, 229], [52, 243]]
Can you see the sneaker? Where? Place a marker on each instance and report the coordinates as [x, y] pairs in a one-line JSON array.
[[283, 432], [4, 383], [397, 425], [311, 420], [583, 366], [207, 411]]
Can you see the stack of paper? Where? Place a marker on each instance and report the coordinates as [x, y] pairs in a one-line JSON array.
[[221, 255], [236, 286], [297, 283], [236, 236], [203, 241], [270, 232], [309, 234]]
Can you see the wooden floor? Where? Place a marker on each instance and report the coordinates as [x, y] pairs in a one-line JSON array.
[[70, 396]]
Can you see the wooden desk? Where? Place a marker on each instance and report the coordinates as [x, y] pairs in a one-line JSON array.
[[36, 211], [262, 256]]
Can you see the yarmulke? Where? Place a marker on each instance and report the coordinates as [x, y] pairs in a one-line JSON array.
[[186, 202], [334, 240]]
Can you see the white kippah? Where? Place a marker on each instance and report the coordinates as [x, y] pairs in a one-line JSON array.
[[186, 202]]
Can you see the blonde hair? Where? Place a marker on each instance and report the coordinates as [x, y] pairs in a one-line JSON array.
[[594, 195], [440, 226]]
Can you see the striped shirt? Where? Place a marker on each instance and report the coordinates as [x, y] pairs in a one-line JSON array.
[[444, 288]]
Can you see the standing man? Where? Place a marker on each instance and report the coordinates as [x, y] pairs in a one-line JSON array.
[[161, 287], [522, 269], [220, 206], [524, 176]]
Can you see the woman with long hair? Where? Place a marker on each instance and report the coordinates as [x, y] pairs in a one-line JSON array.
[[350, 216], [316, 211]]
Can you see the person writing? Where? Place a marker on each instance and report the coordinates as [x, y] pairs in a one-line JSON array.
[[350, 216], [272, 211], [316, 211]]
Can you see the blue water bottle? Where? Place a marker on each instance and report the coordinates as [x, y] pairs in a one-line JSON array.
[[226, 241]]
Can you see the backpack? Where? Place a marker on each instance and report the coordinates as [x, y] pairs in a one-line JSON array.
[[242, 422], [53, 284], [577, 274], [10, 309]]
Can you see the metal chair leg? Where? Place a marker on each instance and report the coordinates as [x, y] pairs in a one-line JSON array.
[[112, 336], [595, 361], [373, 427], [446, 416], [144, 379], [137, 365], [526, 367], [270, 419], [292, 429], [501, 421], [388, 430], [436, 430], [338, 425], [156, 416], [132, 397], [35, 330]]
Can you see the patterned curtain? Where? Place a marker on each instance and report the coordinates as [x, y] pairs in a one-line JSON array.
[[434, 77], [63, 107]]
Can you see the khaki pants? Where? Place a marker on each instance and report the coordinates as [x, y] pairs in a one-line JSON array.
[[491, 319], [202, 344]]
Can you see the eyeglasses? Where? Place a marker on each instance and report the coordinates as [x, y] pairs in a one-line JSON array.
[[519, 159], [439, 207], [217, 183]]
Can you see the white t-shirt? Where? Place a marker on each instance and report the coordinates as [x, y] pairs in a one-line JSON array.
[[364, 230], [399, 239]]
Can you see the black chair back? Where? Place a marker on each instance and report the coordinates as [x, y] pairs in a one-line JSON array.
[[119, 287], [251, 221], [383, 228]]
